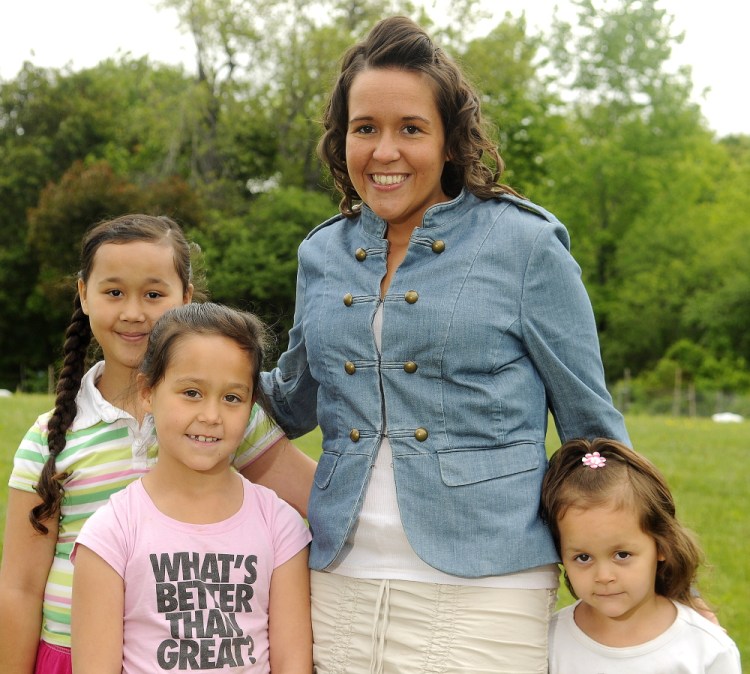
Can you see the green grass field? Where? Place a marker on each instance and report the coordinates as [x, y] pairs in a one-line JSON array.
[[703, 461]]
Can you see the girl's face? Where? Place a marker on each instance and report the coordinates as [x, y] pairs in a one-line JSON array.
[[610, 562], [202, 406], [395, 145], [130, 286]]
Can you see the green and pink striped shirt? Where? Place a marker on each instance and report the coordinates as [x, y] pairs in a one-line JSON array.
[[106, 450]]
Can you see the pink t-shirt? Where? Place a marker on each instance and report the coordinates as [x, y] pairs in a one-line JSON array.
[[196, 596]]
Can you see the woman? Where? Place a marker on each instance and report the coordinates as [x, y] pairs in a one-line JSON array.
[[437, 320]]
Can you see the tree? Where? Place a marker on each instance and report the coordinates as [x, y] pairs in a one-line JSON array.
[[84, 196], [718, 313], [630, 124], [505, 66], [252, 261], [127, 112]]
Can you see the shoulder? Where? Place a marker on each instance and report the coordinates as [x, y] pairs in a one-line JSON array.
[[563, 616], [518, 220], [535, 219], [119, 506], [37, 433], [277, 514], [701, 642], [524, 206], [333, 221], [269, 503], [702, 628], [315, 245]]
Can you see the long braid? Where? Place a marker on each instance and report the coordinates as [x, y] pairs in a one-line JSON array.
[[50, 486], [78, 337]]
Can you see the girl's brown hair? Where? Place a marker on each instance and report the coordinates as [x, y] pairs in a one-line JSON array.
[[627, 480], [243, 328], [78, 337], [399, 43]]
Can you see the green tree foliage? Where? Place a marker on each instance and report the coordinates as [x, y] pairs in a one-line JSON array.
[[632, 134], [718, 313], [84, 196], [628, 114], [126, 112], [592, 122], [505, 66], [252, 261]]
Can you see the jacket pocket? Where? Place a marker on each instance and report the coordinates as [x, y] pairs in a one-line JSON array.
[[324, 471], [469, 466]]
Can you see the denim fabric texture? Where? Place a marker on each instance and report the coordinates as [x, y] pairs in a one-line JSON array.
[[486, 326]]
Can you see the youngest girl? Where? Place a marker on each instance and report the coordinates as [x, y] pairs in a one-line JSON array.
[[193, 567], [631, 565]]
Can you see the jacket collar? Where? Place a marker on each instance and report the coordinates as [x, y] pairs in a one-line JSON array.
[[435, 216]]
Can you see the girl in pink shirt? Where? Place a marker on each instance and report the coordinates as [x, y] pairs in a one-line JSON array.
[[193, 567]]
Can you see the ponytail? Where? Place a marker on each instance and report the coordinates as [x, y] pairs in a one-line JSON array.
[[50, 487]]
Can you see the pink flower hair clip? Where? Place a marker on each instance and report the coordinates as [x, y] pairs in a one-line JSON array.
[[594, 460]]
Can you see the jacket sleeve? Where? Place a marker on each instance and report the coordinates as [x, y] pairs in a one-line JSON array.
[[560, 334], [290, 387]]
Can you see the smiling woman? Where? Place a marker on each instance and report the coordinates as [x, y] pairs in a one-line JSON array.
[[395, 147], [436, 319]]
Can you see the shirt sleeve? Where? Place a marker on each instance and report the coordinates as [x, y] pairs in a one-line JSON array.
[[561, 337], [290, 387], [289, 531], [726, 662], [261, 434], [30, 457], [107, 533]]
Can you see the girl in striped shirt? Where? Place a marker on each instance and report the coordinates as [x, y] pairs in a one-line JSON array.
[[98, 439]]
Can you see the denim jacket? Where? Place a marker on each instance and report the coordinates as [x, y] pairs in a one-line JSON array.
[[486, 325]]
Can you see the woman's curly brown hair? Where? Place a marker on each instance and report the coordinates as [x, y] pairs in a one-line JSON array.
[[399, 43]]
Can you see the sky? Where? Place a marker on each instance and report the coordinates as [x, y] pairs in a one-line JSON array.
[[81, 33]]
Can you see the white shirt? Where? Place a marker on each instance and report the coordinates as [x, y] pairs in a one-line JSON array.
[[691, 645]]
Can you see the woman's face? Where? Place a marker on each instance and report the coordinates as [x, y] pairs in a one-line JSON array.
[[395, 145]]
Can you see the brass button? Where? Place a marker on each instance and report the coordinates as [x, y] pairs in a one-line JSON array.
[[421, 434], [354, 435], [411, 296], [348, 299], [350, 367], [360, 254], [438, 246], [410, 367]]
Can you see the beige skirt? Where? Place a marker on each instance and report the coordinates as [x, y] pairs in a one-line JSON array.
[[406, 627]]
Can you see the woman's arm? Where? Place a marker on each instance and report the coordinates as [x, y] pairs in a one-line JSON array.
[[27, 559], [289, 621], [561, 336], [287, 470], [97, 615]]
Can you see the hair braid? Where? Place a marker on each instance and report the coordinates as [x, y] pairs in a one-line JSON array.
[[50, 486]]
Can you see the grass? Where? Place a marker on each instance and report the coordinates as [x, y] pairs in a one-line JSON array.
[[704, 463]]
